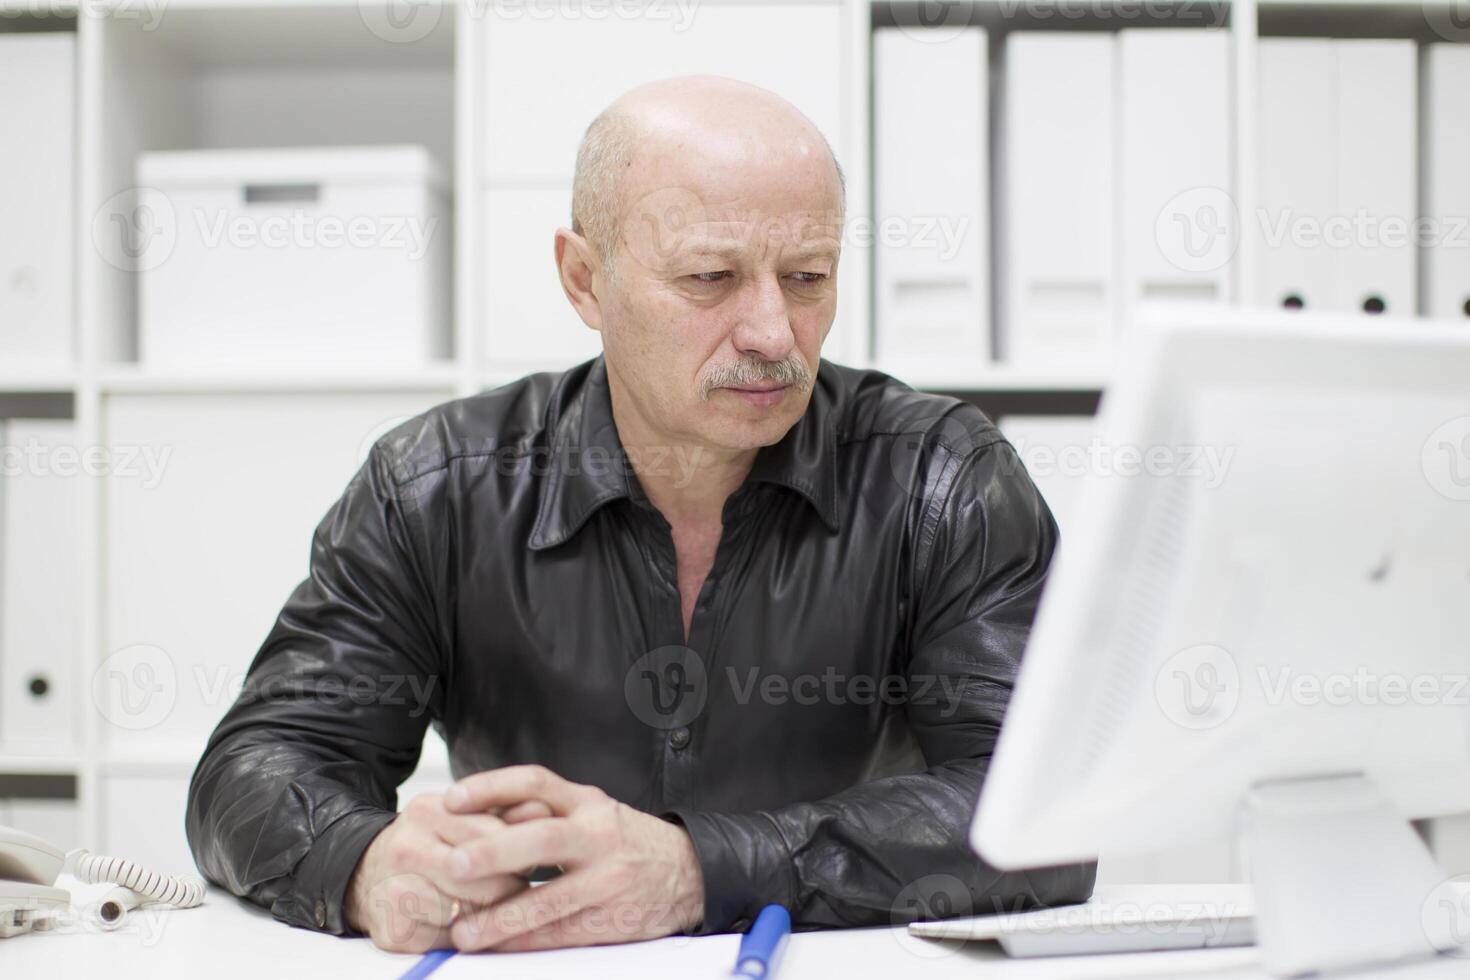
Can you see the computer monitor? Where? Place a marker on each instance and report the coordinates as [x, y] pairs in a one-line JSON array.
[[1260, 625]]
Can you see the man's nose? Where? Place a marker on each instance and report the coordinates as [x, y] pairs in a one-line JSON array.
[[764, 329]]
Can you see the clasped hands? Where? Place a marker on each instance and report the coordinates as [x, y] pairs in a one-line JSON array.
[[448, 871]]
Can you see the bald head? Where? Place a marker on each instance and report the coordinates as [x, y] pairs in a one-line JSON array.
[[707, 122]]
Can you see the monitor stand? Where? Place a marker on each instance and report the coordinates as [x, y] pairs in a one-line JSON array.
[[1342, 880]]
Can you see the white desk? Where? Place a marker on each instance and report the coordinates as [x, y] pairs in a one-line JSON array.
[[226, 938]]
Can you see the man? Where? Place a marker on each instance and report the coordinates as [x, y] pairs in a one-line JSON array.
[[707, 623]]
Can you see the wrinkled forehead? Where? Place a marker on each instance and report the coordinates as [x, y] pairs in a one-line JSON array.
[[743, 197]]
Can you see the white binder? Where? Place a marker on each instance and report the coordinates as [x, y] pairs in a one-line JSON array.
[[1446, 142], [1375, 82], [931, 291], [37, 114], [1059, 199], [1178, 224], [1298, 172], [1338, 173], [40, 578]]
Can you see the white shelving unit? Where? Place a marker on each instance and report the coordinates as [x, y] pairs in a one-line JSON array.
[[199, 74]]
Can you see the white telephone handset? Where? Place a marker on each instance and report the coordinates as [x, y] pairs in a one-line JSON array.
[[29, 867]]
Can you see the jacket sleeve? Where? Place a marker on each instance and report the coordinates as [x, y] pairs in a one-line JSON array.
[[303, 770], [896, 849]]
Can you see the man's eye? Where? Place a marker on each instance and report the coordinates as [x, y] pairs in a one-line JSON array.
[[809, 278], [711, 277]]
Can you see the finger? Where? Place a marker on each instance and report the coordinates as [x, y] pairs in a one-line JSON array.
[[424, 854], [456, 828], [398, 903], [512, 785], [597, 924], [535, 909], [459, 828], [534, 844], [529, 810], [417, 937], [488, 890], [428, 810]]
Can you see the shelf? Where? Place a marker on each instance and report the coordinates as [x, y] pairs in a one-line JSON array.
[[1409, 5], [134, 379], [40, 382], [17, 764], [1427, 21]]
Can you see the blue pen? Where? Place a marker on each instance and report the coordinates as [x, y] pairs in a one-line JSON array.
[[762, 945]]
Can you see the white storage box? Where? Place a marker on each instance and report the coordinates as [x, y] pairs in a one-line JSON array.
[[318, 257]]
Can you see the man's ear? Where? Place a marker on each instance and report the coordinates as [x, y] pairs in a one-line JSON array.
[[578, 264]]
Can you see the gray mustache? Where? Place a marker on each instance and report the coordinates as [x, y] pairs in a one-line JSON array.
[[790, 371]]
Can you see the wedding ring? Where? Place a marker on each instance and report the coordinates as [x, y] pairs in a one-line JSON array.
[[454, 910]]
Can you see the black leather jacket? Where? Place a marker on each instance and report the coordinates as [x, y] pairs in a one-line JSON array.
[[494, 569]]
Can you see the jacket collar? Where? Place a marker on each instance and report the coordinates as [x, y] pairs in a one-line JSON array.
[[587, 467]]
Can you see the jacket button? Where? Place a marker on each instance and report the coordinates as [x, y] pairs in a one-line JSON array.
[[321, 914], [679, 738]]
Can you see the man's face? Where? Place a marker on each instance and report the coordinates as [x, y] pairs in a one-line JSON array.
[[725, 288]]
